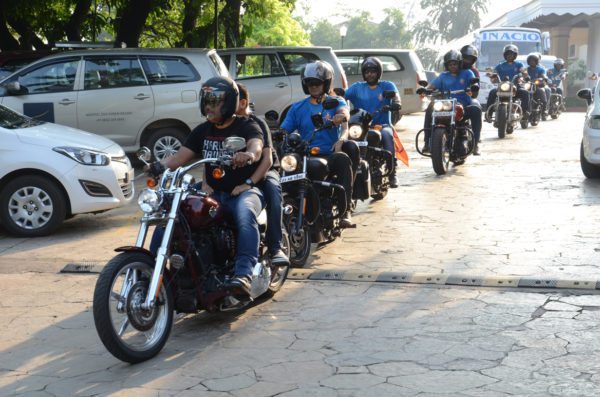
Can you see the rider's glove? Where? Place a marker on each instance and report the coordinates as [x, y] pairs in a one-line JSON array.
[[156, 169]]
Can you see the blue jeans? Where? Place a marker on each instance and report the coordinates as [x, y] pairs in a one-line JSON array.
[[244, 210], [271, 189], [387, 139]]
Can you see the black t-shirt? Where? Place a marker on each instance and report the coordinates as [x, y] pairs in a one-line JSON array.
[[268, 141], [207, 141]]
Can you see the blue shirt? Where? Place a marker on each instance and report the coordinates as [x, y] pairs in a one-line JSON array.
[[299, 118], [556, 75], [537, 72], [446, 81], [505, 69], [371, 99]]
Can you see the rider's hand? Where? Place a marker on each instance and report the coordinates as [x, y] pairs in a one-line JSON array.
[[241, 159], [239, 189], [339, 119], [154, 169]]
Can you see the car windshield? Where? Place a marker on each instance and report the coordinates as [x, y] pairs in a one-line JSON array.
[[12, 120]]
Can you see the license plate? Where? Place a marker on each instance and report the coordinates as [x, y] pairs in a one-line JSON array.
[[442, 114], [362, 143], [291, 178]]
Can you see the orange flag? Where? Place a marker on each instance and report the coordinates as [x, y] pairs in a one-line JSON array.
[[400, 152]]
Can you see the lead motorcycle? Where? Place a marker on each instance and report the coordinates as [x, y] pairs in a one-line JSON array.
[[313, 205], [137, 293], [507, 110], [451, 134], [368, 138]]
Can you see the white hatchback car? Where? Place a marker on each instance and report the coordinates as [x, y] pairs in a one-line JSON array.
[[49, 173], [590, 144]]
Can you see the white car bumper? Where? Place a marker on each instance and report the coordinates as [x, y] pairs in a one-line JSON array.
[[591, 144]]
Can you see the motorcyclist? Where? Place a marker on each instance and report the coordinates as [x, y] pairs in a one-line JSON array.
[[316, 80], [509, 69], [368, 95], [266, 177], [557, 74], [455, 78], [469, 58], [537, 71], [219, 101]]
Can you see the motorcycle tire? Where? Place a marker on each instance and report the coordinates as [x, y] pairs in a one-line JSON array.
[[554, 116], [301, 243], [535, 120], [380, 195], [591, 171], [501, 120], [279, 273], [440, 154], [115, 324]]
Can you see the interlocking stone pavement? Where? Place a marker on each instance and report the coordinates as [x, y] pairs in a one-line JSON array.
[[522, 209]]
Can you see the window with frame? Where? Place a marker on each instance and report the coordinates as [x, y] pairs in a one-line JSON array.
[[390, 63], [258, 65], [294, 62], [350, 64], [106, 72], [169, 70], [54, 77]]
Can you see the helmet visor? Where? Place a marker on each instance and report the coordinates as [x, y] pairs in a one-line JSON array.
[[212, 97], [312, 82]]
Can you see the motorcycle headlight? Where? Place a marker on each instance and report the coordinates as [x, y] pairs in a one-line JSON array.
[[149, 201], [84, 156], [355, 131], [505, 87], [289, 163], [438, 106], [527, 86]]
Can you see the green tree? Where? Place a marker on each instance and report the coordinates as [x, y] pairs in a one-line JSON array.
[[326, 34], [274, 25], [393, 32], [449, 19]]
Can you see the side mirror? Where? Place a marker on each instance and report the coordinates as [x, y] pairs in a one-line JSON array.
[[423, 83], [473, 81], [394, 107], [506, 78], [389, 94], [15, 88], [272, 115], [586, 94], [144, 154], [317, 120], [330, 103], [339, 92], [234, 144]]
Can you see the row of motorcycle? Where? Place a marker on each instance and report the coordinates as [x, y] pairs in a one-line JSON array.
[[139, 291]]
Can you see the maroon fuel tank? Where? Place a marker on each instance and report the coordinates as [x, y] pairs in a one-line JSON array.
[[202, 212]]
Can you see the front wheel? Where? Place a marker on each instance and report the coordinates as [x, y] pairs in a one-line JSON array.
[[300, 242], [440, 153], [129, 332], [501, 120], [591, 171]]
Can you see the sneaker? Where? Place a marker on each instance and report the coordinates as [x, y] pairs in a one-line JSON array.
[[279, 258], [240, 286], [346, 220], [476, 150], [393, 181], [426, 148]]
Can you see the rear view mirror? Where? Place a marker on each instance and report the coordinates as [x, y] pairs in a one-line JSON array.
[[586, 94], [144, 154], [330, 103], [423, 83], [389, 94], [234, 144], [272, 115], [474, 80], [394, 107], [339, 91], [15, 88], [317, 120]]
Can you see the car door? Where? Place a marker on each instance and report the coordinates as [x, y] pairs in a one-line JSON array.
[[116, 100], [264, 76], [48, 91]]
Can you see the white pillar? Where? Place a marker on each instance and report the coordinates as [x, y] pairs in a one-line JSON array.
[[559, 36], [593, 52]]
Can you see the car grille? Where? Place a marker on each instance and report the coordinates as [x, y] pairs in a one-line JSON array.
[[126, 187]]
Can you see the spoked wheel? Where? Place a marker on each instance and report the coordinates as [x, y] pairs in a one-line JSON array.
[[300, 242], [129, 332], [440, 153]]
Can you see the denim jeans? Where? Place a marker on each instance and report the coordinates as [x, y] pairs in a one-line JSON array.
[[271, 189], [244, 210], [472, 112], [387, 139]]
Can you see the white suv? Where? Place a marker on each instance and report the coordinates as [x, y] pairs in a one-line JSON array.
[[136, 97], [589, 154]]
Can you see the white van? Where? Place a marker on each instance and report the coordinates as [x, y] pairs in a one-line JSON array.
[[402, 67]]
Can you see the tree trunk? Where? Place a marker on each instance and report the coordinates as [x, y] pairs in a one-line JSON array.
[[73, 26], [191, 12], [231, 22], [132, 21], [28, 37], [7, 41]]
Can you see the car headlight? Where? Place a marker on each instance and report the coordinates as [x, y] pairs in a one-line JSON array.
[[355, 131], [149, 201], [505, 87], [289, 163], [84, 156]]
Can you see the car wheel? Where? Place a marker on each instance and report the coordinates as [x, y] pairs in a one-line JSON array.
[[165, 142], [32, 206], [591, 171]]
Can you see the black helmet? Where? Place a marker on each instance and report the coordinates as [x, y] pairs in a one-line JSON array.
[[318, 70], [371, 63], [533, 57], [217, 89], [559, 62], [510, 48], [469, 51], [450, 56]]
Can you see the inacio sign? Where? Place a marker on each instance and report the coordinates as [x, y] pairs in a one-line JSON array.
[[510, 35]]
